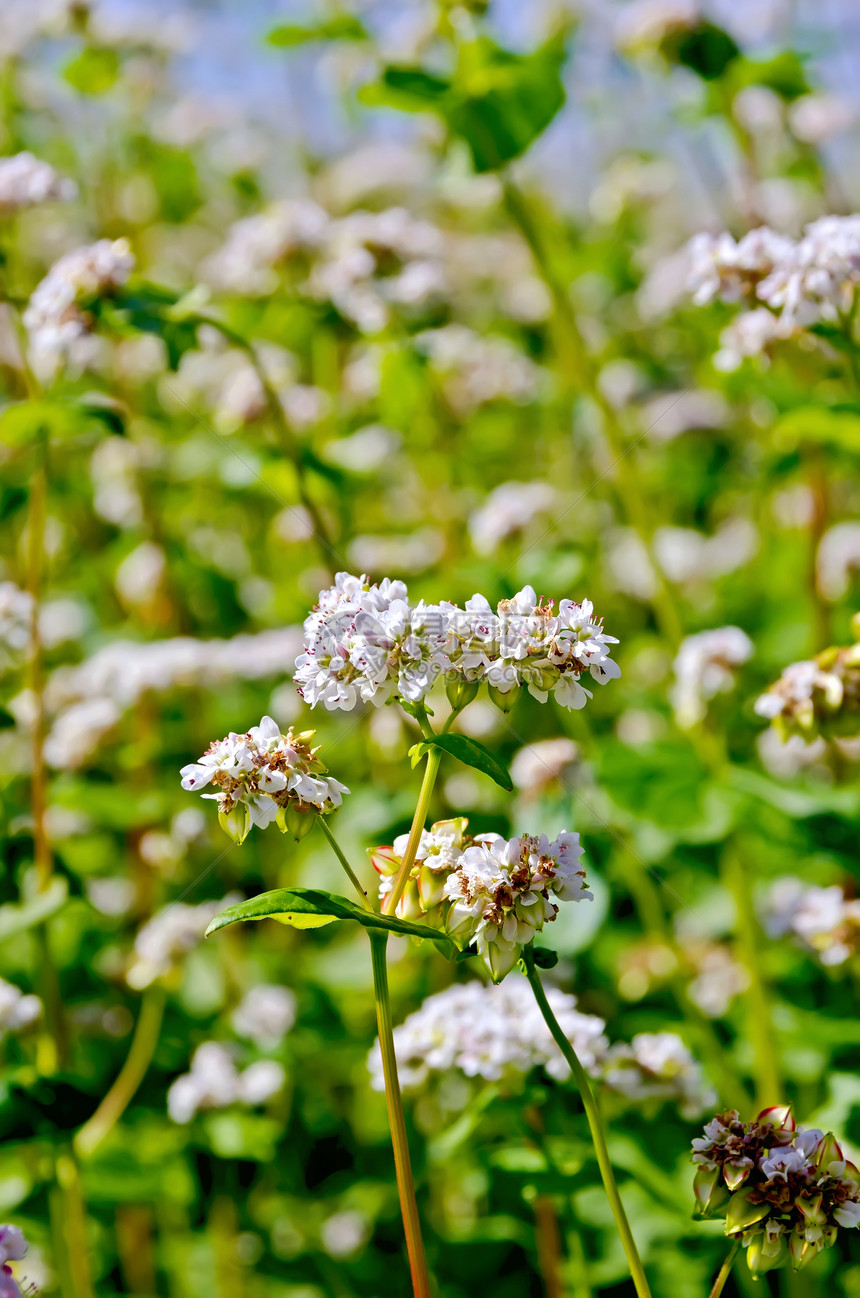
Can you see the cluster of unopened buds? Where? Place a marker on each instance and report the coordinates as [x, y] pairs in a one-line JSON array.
[[784, 1191], [264, 776], [486, 891], [817, 697], [368, 643]]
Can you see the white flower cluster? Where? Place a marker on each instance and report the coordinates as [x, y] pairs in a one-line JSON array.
[[494, 892], [821, 920], [16, 612], [477, 368], [26, 181], [88, 699], [494, 1032], [658, 1066], [820, 695], [169, 935], [17, 1010], [507, 510], [367, 643], [799, 282], [265, 1015], [257, 244], [263, 776], [704, 666], [498, 1033], [57, 318], [214, 1082]]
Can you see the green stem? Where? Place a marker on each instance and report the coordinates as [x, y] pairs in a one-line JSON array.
[[285, 432], [761, 1033], [434, 759], [353, 877], [595, 1125], [723, 1276], [397, 1121], [132, 1073], [575, 356]]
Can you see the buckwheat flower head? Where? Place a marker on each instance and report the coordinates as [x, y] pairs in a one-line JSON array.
[[507, 510], [26, 181], [818, 276], [822, 921], [57, 317], [17, 1010], [264, 776], [265, 1015], [819, 696], [438, 854], [169, 935], [502, 892], [258, 244], [215, 1082], [493, 1032], [750, 334], [721, 268], [13, 1247], [785, 1192], [704, 667], [658, 1066]]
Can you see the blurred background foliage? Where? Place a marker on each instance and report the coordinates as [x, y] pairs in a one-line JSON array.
[[499, 381]]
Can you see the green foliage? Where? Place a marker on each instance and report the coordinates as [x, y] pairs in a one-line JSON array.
[[468, 751]]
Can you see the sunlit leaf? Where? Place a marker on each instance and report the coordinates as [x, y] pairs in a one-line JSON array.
[[468, 751]]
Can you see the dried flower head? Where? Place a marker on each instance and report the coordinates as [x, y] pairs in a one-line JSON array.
[[784, 1191]]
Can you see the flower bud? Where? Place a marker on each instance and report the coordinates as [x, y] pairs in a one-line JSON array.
[[409, 905], [801, 1250], [236, 822], [460, 692], [742, 1214], [298, 823], [431, 886], [829, 1151], [711, 1194], [779, 1116], [763, 1255], [736, 1174], [505, 700]]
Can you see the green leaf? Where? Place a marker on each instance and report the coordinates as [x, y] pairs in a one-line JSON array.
[[93, 71], [706, 50], [498, 102], [25, 422], [309, 908], [819, 425], [544, 958], [17, 917], [340, 27], [469, 752]]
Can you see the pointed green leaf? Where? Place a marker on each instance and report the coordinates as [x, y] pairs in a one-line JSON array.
[[310, 908], [469, 752], [18, 917]]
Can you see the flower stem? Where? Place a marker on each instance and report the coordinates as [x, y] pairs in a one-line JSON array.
[[397, 1121], [723, 1276], [132, 1073], [575, 357], [353, 877], [595, 1124], [434, 759]]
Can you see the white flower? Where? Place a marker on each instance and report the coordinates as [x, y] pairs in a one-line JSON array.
[[704, 667], [13, 1245], [493, 1032], [837, 559], [539, 765], [821, 920], [749, 334], [26, 181], [722, 268], [792, 1158], [57, 318], [214, 1082], [16, 613], [658, 1066], [848, 1215], [503, 892], [478, 368], [17, 1010], [168, 936], [262, 773], [508, 509], [265, 1015], [257, 244]]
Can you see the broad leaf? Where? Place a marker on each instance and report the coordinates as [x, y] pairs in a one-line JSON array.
[[340, 27], [309, 908], [17, 917], [469, 752], [838, 428]]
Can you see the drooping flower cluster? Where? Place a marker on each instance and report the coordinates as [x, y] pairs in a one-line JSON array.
[[26, 181], [821, 920], [264, 776], [13, 1246], [215, 1082], [704, 666], [168, 936], [817, 697], [497, 1033], [488, 891], [58, 317], [784, 1191], [799, 282], [367, 642]]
